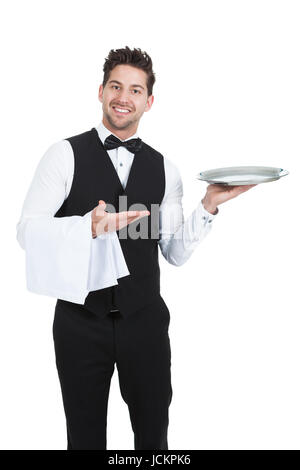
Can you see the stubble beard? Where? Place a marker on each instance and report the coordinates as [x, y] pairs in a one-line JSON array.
[[112, 122]]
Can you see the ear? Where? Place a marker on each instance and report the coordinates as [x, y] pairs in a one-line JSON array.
[[149, 103], [100, 93]]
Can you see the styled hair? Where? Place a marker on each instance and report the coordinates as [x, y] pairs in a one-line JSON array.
[[135, 58]]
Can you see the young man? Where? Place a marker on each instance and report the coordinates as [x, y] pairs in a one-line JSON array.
[[106, 279]]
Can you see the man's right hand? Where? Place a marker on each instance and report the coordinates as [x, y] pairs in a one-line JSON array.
[[103, 222]]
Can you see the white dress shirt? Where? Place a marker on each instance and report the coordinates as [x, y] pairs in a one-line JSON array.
[[62, 258]]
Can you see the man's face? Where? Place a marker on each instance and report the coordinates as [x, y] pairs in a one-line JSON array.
[[126, 91]]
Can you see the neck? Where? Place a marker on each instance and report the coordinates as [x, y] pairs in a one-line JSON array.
[[120, 133]]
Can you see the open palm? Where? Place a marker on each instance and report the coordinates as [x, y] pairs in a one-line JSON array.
[[103, 221]]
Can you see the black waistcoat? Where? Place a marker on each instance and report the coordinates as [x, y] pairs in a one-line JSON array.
[[95, 178]]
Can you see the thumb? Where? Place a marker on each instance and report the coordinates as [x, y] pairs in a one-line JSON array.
[[102, 204], [99, 210]]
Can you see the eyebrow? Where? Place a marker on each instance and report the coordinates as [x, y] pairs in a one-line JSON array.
[[119, 83]]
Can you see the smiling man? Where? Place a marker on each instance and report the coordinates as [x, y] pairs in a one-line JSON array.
[[109, 310], [125, 99]]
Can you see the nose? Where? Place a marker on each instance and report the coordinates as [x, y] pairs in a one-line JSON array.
[[123, 96]]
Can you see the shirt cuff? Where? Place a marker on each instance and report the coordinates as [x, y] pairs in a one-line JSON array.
[[207, 217]]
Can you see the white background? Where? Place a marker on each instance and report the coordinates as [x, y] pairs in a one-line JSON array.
[[227, 93]]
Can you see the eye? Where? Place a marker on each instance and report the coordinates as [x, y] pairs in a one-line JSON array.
[[115, 86], [137, 91]]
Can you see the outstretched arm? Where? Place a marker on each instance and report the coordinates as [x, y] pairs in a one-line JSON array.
[[59, 250], [179, 237]]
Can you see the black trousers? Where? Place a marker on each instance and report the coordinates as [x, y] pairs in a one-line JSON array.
[[88, 346]]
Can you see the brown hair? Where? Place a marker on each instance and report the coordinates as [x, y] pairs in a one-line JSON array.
[[134, 57]]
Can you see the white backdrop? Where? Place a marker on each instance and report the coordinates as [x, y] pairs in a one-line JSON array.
[[227, 93]]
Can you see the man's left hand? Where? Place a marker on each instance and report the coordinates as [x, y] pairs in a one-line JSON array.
[[218, 193]]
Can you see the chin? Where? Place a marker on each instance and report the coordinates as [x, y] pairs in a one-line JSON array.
[[120, 125]]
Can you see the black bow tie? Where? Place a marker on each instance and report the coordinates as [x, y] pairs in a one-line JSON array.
[[133, 145]]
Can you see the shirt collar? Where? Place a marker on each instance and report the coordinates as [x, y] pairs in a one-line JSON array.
[[104, 132]]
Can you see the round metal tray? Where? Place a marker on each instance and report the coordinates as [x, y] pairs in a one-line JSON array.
[[242, 175]]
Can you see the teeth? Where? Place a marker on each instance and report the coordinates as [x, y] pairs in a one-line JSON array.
[[122, 110]]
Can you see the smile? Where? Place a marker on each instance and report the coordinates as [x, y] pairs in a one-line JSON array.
[[121, 111]]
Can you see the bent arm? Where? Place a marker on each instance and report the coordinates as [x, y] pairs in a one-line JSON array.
[[59, 250], [179, 237]]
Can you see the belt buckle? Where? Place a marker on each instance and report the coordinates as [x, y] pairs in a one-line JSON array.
[[114, 309]]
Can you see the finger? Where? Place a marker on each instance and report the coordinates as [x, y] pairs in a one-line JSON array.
[[125, 214], [133, 219], [100, 208], [143, 213], [122, 222], [140, 215], [99, 211]]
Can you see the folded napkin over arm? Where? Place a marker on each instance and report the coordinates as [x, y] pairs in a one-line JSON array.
[[59, 250]]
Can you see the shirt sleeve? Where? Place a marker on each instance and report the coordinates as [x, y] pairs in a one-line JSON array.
[[178, 238], [59, 250]]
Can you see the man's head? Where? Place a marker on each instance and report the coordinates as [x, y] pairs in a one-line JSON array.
[[127, 85]]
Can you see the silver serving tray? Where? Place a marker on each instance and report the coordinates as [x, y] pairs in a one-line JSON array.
[[242, 175]]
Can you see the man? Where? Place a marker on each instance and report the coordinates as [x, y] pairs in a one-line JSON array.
[[106, 280]]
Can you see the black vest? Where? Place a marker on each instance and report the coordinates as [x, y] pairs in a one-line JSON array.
[[95, 178]]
